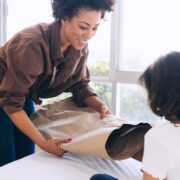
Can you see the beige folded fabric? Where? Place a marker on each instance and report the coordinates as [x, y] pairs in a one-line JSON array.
[[64, 119]]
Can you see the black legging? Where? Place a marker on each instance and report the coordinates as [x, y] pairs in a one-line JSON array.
[[102, 177], [13, 143]]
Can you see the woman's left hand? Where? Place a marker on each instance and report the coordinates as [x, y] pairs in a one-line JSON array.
[[104, 111], [98, 105]]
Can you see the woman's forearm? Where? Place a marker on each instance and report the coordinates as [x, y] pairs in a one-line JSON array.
[[94, 102], [24, 124], [98, 105]]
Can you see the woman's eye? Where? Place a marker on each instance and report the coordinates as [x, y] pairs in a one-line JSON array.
[[82, 27]]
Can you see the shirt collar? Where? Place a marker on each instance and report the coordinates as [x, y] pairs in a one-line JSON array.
[[55, 45]]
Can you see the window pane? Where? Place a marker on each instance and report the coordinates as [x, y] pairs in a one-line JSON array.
[[22, 13], [149, 29], [99, 48], [133, 104], [103, 91]]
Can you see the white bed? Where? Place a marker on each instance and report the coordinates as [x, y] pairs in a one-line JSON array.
[[44, 166]]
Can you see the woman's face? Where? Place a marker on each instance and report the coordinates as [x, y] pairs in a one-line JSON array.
[[80, 28]]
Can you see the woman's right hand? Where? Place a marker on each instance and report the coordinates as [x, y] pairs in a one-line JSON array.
[[23, 123], [53, 146]]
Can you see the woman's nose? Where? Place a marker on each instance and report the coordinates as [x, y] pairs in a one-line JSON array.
[[89, 34]]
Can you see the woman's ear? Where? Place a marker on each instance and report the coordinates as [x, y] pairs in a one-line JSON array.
[[64, 21]]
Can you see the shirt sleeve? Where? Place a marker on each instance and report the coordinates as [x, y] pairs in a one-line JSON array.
[[24, 65], [81, 90], [157, 159]]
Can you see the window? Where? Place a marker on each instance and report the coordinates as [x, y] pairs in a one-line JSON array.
[[22, 14], [148, 29], [3, 15], [144, 31], [103, 91], [133, 105], [99, 48]]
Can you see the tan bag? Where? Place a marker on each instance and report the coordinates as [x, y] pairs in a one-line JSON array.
[[89, 133]]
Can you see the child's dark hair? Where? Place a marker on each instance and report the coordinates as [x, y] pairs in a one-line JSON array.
[[69, 8], [162, 82]]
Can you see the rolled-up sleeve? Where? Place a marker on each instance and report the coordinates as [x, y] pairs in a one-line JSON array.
[[24, 65], [81, 90]]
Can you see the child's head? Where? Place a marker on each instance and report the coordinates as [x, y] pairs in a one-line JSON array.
[[162, 82]]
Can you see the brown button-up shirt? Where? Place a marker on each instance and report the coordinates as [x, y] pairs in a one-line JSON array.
[[32, 66]]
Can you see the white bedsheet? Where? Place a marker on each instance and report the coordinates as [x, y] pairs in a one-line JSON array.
[[44, 166]]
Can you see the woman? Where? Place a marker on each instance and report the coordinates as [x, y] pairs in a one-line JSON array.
[[43, 61]]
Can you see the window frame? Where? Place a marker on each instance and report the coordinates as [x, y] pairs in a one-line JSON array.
[[3, 21], [115, 75]]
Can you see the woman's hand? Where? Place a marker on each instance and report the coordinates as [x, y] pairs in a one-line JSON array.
[[98, 105], [53, 146], [23, 123], [104, 111]]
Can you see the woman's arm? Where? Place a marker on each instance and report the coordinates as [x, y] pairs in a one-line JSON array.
[[147, 176], [22, 122], [98, 105]]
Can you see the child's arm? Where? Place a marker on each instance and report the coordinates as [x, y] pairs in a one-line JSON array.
[[147, 176]]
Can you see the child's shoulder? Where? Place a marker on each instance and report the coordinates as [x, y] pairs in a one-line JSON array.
[[161, 129]]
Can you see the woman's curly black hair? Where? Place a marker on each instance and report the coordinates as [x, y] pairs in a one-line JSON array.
[[162, 82], [69, 8]]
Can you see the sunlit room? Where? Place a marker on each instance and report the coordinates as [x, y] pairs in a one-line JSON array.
[[89, 89]]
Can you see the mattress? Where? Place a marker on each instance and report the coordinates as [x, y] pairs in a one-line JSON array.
[[45, 166]]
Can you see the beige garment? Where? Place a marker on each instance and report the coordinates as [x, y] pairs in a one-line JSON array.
[[89, 133]]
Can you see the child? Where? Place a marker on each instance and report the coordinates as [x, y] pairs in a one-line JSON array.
[[161, 159], [162, 146]]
